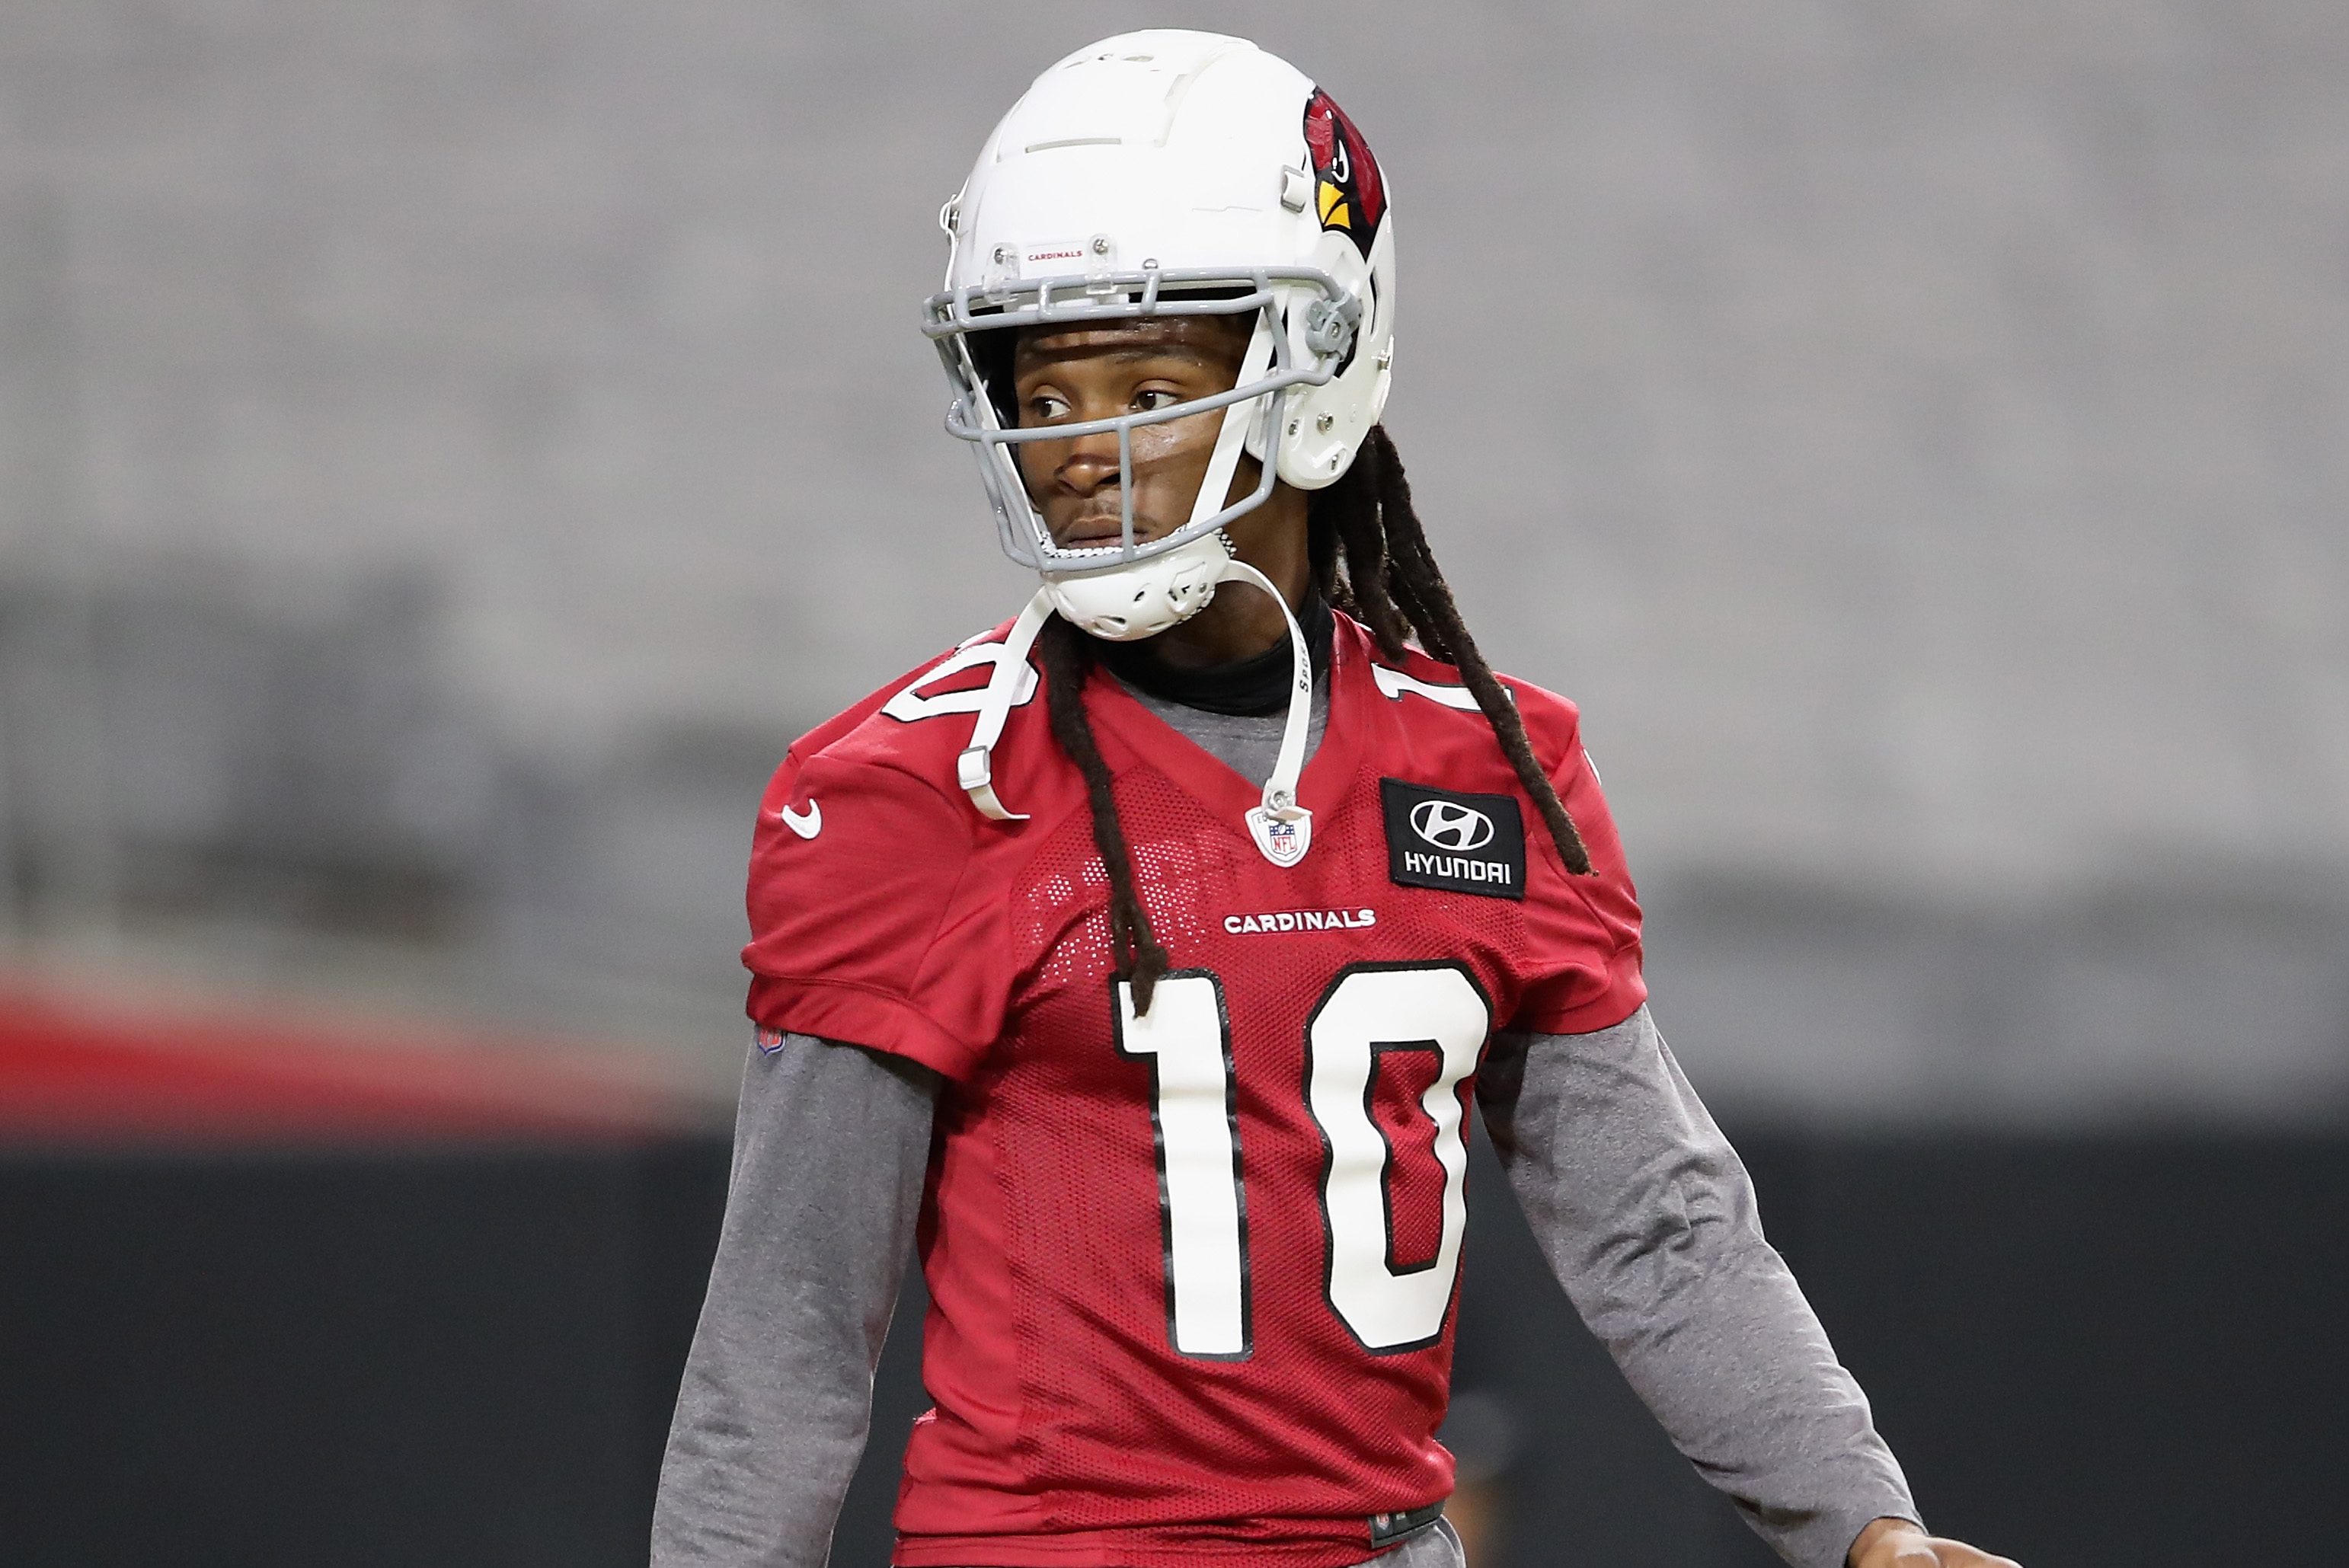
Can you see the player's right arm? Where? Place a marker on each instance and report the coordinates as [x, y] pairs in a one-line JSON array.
[[830, 1144], [868, 923]]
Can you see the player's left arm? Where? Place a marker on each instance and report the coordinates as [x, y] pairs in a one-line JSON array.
[[1648, 1219]]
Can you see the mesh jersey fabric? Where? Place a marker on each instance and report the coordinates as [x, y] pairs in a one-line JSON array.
[[1074, 1422]]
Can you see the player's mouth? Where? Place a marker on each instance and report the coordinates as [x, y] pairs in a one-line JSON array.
[[1101, 532]]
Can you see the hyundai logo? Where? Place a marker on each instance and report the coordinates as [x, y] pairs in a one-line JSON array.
[[1448, 826]]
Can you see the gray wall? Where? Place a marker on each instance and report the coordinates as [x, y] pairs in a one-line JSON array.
[[446, 450]]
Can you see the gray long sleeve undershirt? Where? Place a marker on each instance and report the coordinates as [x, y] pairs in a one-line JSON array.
[[1639, 1202], [832, 1145], [1648, 1219]]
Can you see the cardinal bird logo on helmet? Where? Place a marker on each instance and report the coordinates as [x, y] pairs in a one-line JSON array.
[[1348, 193]]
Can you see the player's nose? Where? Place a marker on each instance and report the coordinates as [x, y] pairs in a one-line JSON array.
[[1090, 461]]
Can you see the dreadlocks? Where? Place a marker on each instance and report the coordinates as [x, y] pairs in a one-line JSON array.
[[1134, 953], [1370, 557], [1411, 589]]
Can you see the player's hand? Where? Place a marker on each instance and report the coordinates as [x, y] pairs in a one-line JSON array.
[[1897, 1544]]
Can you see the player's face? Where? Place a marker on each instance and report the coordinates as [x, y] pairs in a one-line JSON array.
[[1103, 370]]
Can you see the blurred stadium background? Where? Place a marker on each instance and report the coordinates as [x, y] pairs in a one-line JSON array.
[[449, 447]]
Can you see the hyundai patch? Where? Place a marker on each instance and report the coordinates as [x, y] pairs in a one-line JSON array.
[[1454, 842]]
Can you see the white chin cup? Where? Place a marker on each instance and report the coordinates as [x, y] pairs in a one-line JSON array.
[[1126, 603]]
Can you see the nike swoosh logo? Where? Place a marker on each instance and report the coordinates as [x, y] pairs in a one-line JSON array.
[[807, 824]]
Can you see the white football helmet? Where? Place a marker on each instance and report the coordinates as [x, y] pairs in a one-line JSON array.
[[1171, 173]]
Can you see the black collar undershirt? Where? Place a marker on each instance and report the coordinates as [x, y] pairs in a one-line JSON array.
[[1256, 685]]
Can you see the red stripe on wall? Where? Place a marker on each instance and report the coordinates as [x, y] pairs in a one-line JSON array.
[[74, 1073]]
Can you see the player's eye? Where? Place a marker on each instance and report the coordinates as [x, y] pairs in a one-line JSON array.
[[1044, 407], [1155, 397]]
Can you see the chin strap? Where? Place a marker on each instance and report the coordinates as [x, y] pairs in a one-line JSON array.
[[1231, 435], [1281, 827], [973, 769]]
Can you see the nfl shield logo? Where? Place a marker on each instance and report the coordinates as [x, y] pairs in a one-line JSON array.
[[1283, 839]]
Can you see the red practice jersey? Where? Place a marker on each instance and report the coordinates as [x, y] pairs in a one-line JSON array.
[[1192, 1273]]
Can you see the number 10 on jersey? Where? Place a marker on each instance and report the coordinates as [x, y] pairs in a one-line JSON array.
[[1369, 1009]]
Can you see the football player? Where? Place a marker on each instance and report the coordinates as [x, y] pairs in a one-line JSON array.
[[1139, 957]]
